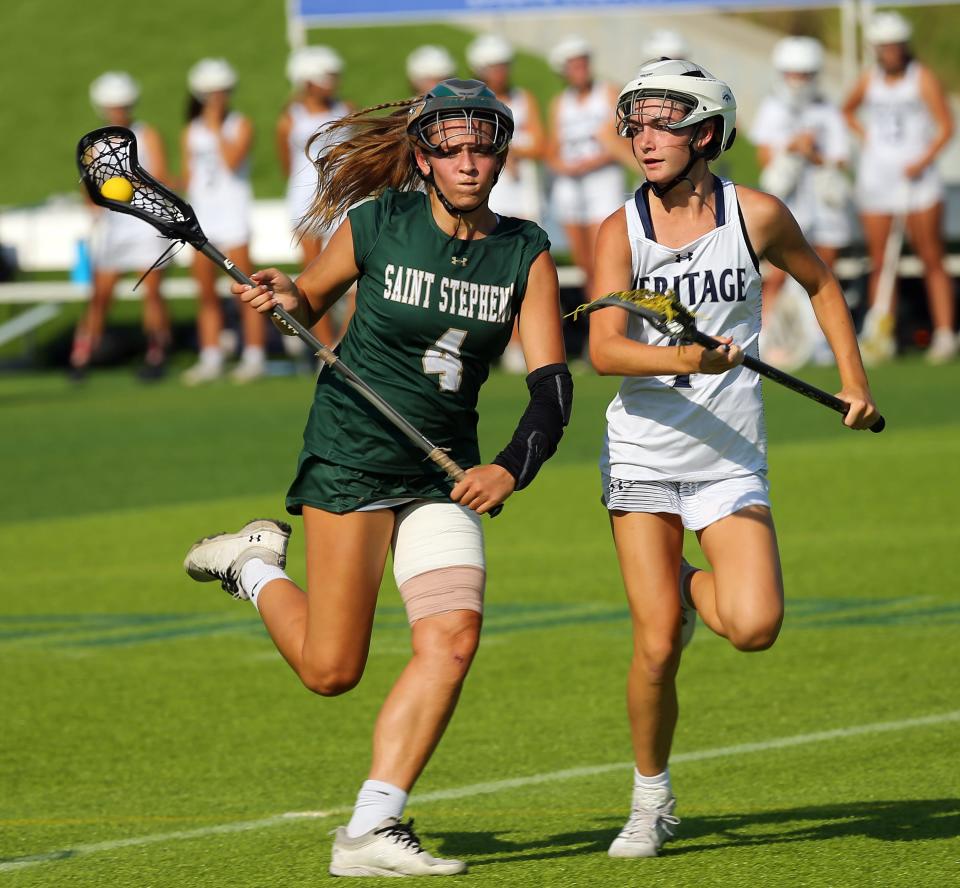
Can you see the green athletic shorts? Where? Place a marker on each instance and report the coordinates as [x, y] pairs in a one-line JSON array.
[[335, 488]]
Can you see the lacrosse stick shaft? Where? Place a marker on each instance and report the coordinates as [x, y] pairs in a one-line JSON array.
[[438, 456], [785, 379]]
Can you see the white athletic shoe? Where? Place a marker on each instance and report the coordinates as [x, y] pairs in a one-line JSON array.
[[688, 613], [248, 371], [390, 849], [220, 557], [650, 824], [202, 372], [943, 347]]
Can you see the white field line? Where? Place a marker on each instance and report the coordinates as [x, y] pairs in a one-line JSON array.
[[475, 789]]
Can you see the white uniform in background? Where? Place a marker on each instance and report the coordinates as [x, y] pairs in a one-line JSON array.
[[702, 427], [899, 129], [302, 184], [119, 242], [581, 200], [817, 195], [517, 192], [221, 197]]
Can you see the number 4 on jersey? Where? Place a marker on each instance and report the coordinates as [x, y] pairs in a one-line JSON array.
[[443, 358]]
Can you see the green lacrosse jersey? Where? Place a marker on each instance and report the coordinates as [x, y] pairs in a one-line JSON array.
[[432, 313]]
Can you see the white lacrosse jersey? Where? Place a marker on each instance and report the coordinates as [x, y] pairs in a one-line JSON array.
[[220, 196], [579, 121], [517, 192], [700, 427], [302, 184], [898, 129]]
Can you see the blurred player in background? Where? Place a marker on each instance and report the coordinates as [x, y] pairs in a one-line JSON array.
[[440, 278], [122, 243], [666, 44], [803, 149], [427, 65], [216, 146], [685, 447], [314, 72], [518, 191], [589, 183], [899, 109]]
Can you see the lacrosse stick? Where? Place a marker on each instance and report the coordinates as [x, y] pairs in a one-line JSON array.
[[876, 335], [111, 152], [665, 313]]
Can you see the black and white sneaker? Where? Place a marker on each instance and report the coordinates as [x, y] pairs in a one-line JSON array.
[[390, 849], [220, 557]]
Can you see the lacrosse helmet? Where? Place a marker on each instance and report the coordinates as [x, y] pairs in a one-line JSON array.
[[211, 75], [888, 27], [666, 44], [572, 47], [114, 89], [430, 63], [489, 49], [798, 55], [690, 85], [313, 64], [468, 100]]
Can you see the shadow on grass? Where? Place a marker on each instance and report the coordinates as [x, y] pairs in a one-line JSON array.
[[887, 821]]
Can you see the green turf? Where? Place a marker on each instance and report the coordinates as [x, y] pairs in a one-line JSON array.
[[137, 704]]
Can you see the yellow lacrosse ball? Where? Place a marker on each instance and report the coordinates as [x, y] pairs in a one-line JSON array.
[[117, 188]]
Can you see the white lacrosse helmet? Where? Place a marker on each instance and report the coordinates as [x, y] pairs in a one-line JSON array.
[[688, 84], [798, 55], [888, 27], [313, 64], [571, 47], [211, 75], [430, 63], [666, 44], [114, 89], [489, 49]]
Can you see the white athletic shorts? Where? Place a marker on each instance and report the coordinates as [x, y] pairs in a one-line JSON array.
[[122, 243], [883, 189], [698, 503], [589, 199]]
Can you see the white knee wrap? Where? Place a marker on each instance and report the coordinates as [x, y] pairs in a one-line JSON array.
[[438, 559]]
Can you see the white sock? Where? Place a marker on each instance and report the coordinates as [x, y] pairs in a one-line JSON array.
[[211, 356], [255, 574], [253, 354], [645, 787], [376, 801]]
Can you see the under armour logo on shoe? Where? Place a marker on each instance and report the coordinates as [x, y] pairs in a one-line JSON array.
[[459, 260], [681, 256], [254, 538]]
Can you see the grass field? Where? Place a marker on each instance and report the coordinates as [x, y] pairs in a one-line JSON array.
[[151, 736]]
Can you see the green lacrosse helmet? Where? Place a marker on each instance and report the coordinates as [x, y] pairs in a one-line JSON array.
[[471, 101]]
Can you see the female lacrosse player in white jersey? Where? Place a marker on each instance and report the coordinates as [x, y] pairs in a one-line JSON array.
[[216, 147], [314, 72], [685, 444], [121, 243], [440, 278], [899, 109], [588, 182]]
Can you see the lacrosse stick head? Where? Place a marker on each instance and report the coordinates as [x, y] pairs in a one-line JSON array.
[[111, 152], [663, 311]]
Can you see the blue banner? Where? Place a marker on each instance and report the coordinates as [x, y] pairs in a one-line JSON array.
[[318, 12]]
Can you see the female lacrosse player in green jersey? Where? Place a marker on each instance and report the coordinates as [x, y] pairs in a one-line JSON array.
[[439, 280]]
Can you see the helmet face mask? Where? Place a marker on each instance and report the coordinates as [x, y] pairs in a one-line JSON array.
[[658, 109], [455, 109]]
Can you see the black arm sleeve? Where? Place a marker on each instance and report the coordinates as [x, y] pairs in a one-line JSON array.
[[541, 426]]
